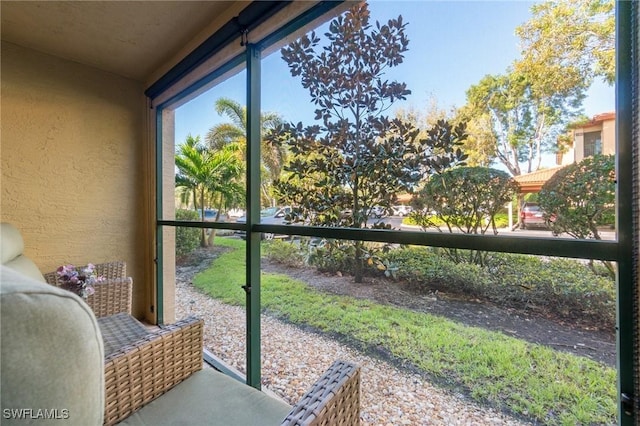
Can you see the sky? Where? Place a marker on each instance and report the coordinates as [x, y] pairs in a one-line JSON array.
[[452, 45]]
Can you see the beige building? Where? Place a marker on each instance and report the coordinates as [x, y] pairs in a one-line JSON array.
[[596, 136]]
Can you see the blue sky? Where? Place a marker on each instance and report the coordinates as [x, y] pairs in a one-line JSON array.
[[452, 45]]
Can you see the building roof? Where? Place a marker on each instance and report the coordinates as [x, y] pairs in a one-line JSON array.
[[603, 117], [532, 182], [596, 119]]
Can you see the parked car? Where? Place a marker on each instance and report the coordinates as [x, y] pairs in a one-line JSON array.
[[235, 213], [532, 216], [401, 210], [209, 215], [378, 211], [270, 216], [375, 211]]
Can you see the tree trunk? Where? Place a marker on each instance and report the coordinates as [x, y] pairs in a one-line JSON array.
[[203, 235], [212, 236], [357, 272]]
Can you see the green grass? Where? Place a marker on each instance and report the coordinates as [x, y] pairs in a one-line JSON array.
[[526, 379], [501, 219]]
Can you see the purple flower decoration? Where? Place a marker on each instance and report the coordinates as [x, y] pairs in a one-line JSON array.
[[80, 281]]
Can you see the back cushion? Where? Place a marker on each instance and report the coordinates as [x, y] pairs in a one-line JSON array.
[[11, 249], [51, 357]]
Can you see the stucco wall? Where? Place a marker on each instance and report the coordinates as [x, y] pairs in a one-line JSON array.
[[73, 159], [609, 137]]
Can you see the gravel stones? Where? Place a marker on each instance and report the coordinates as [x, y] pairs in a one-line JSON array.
[[292, 359]]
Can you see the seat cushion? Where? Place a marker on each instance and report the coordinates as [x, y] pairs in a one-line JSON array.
[[209, 397], [51, 357]]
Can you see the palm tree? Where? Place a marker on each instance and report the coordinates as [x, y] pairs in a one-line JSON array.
[[204, 174], [225, 183], [273, 156]]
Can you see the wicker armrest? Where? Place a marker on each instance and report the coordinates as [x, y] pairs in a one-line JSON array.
[[334, 400], [111, 297], [144, 370]]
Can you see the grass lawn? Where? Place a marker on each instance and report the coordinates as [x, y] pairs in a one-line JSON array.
[[527, 379]]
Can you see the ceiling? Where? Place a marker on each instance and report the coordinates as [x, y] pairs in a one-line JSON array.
[[135, 39]]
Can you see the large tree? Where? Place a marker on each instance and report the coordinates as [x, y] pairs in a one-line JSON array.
[[565, 45], [356, 158], [525, 116], [235, 131], [569, 41], [480, 143]]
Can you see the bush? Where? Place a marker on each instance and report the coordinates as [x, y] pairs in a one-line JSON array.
[[285, 252], [502, 220], [464, 198], [428, 268], [333, 256], [338, 256], [562, 287], [565, 287], [187, 239], [581, 197]]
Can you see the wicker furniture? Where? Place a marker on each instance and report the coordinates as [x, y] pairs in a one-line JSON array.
[[149, 366], [111, 296], [149, 369], [120, 330], [147, 374], [51, 355], [210, 397], [333, 400]]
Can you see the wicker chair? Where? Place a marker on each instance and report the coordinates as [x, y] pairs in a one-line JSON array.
[[145, 370], [142, 365], [148, 367], [111, 296]]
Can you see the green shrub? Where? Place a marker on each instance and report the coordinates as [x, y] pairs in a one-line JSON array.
[[428, 268], [565, 287], [607, 218], [581, 196], [465, 198], [333, 256], [187, 239], [285, 252], [562, 287], [502, 220], [338, 256]]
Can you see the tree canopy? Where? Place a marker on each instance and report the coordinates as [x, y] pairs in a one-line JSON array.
[[273, 156], [356, 158], [523, 111], [523, 117], [569, 42]]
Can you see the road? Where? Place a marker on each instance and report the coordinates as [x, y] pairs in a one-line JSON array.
[[396, 222]]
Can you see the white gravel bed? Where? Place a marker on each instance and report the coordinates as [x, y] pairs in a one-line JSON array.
[[292, 359]]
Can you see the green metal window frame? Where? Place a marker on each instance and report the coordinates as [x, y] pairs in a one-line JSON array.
[[621, 250]]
